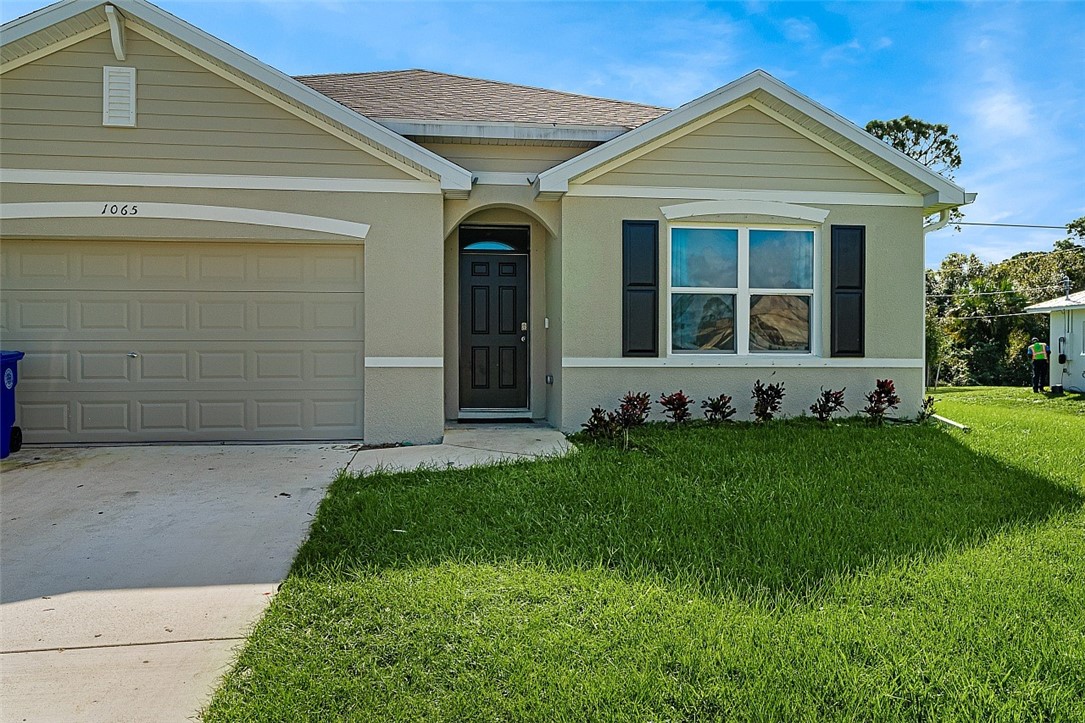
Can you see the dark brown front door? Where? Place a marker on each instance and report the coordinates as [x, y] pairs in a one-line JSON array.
[[493, 330]]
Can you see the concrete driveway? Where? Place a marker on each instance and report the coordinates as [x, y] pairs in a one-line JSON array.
[[130, 575]]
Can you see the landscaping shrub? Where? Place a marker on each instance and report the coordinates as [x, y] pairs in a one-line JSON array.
[[602, 424], [718, 409], [827, 403], [926, 411], [882, 399], [767, 400], [633, 410], [676, 406]]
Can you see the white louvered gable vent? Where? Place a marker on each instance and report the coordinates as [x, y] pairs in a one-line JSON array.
[[118, 96]]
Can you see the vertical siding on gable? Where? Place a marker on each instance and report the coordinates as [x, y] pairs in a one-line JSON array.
[[189, 121], [745, 150]]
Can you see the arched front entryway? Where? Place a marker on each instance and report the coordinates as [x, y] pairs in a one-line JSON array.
[[496, 329]]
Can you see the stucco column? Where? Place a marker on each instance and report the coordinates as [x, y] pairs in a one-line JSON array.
[[404, 318]]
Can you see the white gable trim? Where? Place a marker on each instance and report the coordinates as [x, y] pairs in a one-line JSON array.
[[54, 48], [156, 24], [556, 179], [134, 210], [213, 180], [741, 206], [831, 198]]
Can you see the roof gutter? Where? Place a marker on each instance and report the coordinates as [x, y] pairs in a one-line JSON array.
[[943, 219]]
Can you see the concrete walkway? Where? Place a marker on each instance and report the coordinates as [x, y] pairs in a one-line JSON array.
[[129, 575]]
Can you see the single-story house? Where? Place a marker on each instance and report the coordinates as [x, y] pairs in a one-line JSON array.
[[1067, 342], [199, 247]]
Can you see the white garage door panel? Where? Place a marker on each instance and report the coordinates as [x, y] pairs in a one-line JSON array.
[[128, 341], [179, 366], [164, 266], [153, 315], [181, 416]]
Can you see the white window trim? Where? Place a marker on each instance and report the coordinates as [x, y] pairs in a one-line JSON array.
[[743, 292]]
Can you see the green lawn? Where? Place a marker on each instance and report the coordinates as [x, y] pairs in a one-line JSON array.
[[790, 572]]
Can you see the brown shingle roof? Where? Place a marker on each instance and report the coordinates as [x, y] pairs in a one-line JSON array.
[[423, 95]]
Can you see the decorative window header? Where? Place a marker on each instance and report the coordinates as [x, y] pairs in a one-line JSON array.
[[744, 207]]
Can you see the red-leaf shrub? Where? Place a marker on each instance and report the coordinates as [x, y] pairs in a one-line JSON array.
[[633, 410], [882, 399], [828, 402], [676, 406], [718, 409], [767, 400], [602, 424]]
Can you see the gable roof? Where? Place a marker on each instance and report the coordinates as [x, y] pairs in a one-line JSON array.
[[939, 193], [425, 95], [1075, 300], [32, 35]]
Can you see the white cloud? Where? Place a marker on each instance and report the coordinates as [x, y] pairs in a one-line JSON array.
[[1002, 112], [799, 30]]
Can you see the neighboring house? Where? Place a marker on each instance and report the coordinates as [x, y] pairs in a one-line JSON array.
[[1067, 339], [198, 247]]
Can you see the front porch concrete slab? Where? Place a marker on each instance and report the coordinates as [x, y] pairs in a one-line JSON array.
[[468, 445]]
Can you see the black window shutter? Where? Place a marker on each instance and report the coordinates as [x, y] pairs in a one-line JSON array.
[[848, 288], [640, 288]]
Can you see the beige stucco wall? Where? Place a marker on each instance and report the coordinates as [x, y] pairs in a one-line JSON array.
[[591, 252], [587, 388]]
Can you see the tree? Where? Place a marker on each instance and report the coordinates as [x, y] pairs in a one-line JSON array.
[[929, 143], [1076, 229]]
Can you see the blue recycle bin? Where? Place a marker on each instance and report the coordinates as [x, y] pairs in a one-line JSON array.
[[11, 437]]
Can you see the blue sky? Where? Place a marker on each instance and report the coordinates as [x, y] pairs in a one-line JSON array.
[[1008, 78]]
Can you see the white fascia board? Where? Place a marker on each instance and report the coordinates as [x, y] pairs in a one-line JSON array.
[[503, 131], [19, 28], [556, 179], [1046, 307]]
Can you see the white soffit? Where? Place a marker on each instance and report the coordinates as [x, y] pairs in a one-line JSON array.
[[555, 181], [742, 207]]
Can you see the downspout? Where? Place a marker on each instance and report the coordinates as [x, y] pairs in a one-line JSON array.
[[943, 219]]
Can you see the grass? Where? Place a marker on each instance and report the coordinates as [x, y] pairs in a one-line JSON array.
[[790, 572]]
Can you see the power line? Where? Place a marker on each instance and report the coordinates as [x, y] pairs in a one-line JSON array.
[[993, 293], [990, 316], [1005, 225]]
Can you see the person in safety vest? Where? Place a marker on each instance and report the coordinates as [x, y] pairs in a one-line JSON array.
[[1039, 353]]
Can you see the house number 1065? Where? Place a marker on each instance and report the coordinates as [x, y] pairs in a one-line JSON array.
[[113, 209]]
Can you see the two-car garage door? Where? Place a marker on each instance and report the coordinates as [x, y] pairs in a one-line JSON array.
[[170, 341]]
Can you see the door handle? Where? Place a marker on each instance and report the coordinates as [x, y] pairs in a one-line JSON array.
[[523, 338]]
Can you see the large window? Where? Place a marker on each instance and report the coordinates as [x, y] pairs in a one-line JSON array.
[[741, 290]]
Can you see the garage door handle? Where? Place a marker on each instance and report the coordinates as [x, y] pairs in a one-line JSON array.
[[132, 354]]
